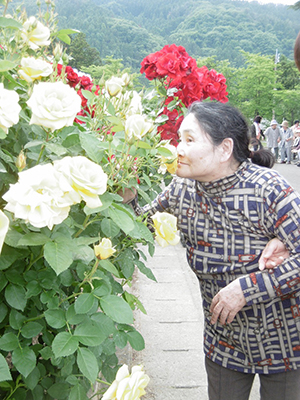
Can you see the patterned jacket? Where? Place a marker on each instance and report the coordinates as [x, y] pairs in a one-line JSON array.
[[226, 225]]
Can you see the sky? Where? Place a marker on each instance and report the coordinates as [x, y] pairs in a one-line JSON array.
[[285, 2]]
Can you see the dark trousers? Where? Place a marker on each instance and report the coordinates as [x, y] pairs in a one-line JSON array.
[[225, 384]]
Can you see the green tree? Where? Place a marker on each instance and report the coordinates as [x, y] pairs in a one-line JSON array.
[[256, 83], [83, 55]]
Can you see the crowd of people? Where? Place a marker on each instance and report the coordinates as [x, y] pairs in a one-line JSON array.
[[282, 140]]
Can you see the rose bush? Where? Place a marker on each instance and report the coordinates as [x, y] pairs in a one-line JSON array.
[[69, 246]]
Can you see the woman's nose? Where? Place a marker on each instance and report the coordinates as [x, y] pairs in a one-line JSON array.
[[180, 150]]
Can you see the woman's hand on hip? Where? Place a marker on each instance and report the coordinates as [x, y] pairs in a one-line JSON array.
[[227, 303]]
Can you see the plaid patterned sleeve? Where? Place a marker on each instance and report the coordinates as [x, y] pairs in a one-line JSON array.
[[281, 217]]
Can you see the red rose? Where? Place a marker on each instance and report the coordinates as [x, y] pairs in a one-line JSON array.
[[73, 78], [85, 82]]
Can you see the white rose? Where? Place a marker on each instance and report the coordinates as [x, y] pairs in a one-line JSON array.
[[126, 78], [39, 197], [86, 178], [136, 126], [135, 106], [35, 34], [54, 105], [114, 85], [9, 108], [4, 224], [34, 68]]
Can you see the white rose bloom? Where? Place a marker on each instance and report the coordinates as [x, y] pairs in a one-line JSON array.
[[54, 105], [126, 78], [34, 68], [9, 108], [39, 197], [86, 178], [136, 126], [114, 85], [35, 34], [135, 106], [4, 224]]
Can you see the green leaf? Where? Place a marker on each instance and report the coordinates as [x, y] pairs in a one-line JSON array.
[[136, 340], [87, 363], [145, 270], [33, 378], [16, 319], [9, 342], [24, 360], [72, 317], [117, 309], [92, 146], [143, 145], [109, 228], [15, 296], [89, 333], [122, 219], [3, 311], [6, 65], [10, 23], [84, 303], [120, 339], [58, 256], [55, 318], [64, 344], [108, 266], [31, 329], [4, 370], [78, 393], [33, 239], [163, 151], [59, 391]]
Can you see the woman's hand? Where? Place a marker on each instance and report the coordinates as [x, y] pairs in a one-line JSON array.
[[273, 254], [227, 303]]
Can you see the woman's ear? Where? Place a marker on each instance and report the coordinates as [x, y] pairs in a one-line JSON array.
[[226, 149]]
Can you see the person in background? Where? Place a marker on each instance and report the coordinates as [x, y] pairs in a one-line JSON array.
[[231, 208], [296, 145], [255, 133], [286, 143], [272, 134], [295, 126]]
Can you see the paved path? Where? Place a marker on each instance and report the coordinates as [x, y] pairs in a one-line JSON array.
[[173, 327]]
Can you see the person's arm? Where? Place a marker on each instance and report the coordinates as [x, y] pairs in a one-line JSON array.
[[283, 221]]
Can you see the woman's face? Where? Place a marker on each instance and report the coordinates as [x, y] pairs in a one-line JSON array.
[[198, 158]]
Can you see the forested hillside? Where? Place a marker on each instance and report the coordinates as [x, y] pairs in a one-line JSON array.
[[130, 29]]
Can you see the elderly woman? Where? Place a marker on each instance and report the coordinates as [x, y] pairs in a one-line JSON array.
[[228, 209], [272, 134]]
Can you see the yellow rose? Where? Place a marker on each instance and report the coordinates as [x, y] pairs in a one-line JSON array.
[[32, 68], [86, 179], [104, 249], [127, 386], [35, 34], [166, 229], [169, 163]]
